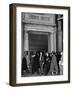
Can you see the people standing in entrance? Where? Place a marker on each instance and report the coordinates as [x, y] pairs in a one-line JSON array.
[[24, 64], [61, 64], [53, 67], [36, 64], [58, 56], [28, 61], [41, 59], [47, 63], [32, 63]]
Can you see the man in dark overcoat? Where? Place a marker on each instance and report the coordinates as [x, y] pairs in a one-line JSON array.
[[47, 63], [58, 56], [36, 64], [24, 64]]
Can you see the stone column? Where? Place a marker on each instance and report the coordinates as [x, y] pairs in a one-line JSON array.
[[26, 47], [59, 36], [54, 41], [59, 41], [51, 42], [26, 41]]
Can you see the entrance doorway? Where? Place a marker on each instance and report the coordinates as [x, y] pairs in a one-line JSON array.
[[38, 41]]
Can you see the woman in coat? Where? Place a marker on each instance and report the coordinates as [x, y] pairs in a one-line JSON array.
[[53, 67]]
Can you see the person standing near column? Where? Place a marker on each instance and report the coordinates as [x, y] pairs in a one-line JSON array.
[[24, 64], [53, 67], [28, 61], [58, 56], [47, 64], [41, 62]]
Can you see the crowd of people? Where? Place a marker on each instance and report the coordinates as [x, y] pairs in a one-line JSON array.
[[42, 63]]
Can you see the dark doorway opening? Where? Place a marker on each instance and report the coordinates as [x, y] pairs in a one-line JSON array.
[[38, 41]]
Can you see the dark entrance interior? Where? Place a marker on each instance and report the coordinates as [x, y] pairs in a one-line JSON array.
[[38, 41]]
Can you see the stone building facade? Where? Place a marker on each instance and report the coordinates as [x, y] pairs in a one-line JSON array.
[[42, 31]]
